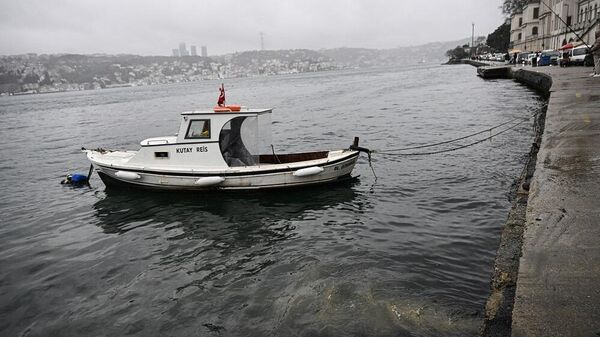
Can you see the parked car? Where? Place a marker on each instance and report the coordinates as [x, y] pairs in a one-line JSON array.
[[578, 55], [530, 58], [522, 58], [548, 58]]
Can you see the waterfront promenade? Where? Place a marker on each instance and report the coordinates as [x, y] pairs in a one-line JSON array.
[[558, 285]]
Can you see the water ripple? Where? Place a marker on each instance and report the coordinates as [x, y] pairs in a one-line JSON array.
[[407, 254]]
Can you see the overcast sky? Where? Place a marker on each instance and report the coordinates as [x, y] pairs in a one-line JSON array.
[[147, 27]]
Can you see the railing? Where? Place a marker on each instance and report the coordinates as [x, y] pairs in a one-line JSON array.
[[157, 142]]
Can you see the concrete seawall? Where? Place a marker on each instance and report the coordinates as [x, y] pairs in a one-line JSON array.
[[558, 288], [546, 279], [538, 81], [503, 285], [474, 63]]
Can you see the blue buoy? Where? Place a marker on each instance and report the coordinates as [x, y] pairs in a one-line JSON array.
[[77, 179]]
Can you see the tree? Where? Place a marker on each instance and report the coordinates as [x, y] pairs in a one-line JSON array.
[[457, 53], [46, 79], [500, 38], [510, 7], [31, 78]]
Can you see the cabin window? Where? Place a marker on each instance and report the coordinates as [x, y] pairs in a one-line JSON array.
[[161, 155], [198, 129]]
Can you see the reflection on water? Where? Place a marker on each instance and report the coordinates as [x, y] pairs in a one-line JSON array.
[[203, 213], [248, 224], [408, 255]]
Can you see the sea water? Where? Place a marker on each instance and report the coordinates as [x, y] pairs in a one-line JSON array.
[[407, 254]]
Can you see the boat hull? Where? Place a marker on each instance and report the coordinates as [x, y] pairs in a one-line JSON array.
[[278, 176]]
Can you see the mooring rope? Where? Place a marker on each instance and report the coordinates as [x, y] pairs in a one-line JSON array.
[[386, 153], [371, 165], [393, 152], [452, 140]]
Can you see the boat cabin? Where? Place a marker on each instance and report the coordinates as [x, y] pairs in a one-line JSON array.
[[214, 139]]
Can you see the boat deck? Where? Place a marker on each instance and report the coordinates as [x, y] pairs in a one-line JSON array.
[[120, 159]]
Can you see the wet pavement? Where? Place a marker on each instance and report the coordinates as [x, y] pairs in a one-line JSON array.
[[558, 287]]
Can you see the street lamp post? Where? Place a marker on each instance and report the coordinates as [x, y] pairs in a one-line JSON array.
[[566, 17], [472, 38], [543, 29]]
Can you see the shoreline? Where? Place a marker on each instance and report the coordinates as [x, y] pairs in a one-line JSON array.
[[547, 267], [503, 284]]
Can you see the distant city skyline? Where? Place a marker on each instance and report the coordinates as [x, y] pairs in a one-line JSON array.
[[181, 50], [151, 28]]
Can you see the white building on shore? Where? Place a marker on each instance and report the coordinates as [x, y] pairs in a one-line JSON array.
[[550, 24]]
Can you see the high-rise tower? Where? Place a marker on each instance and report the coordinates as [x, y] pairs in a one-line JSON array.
[[182, 50]]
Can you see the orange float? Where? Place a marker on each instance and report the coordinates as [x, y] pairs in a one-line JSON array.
[[227, 108]]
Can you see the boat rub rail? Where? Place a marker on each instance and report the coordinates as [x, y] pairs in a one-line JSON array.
[[232, 174]]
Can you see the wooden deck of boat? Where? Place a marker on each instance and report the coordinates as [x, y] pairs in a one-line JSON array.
[[292, 157]]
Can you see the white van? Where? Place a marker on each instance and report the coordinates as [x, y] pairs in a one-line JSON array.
[[577, 55]]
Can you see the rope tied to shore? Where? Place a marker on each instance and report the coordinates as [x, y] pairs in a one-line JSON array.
[[398, 151], [371, 165]]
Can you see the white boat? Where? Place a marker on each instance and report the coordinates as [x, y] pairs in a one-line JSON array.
[[222, 150]]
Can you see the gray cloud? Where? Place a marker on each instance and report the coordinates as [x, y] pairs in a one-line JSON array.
[[155, 27]]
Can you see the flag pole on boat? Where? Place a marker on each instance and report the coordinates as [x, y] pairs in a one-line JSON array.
[[221, 100]]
